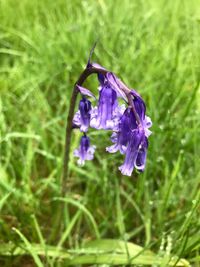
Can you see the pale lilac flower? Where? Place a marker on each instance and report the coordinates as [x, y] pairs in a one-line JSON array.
[[85, 151], [103, 118], [110, 124], [110, 77], [108, 113]]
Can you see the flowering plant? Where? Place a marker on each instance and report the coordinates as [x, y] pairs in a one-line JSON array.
[[128, 122]]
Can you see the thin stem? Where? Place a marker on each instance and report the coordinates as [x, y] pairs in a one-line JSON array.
[[129, 96], [87, 72]]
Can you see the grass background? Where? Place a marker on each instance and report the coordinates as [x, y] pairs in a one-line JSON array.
[[152, 46]]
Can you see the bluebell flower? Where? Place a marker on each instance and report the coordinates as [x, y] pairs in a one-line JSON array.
[[137, 144], [107, 114], [82, 117], [144, 121], [135, 153], [121, 136], [130, 125], [115, 82], [85, 150], [103, 115], [131, 137]]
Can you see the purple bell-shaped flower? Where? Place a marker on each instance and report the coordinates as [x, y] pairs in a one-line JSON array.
[[85, 150], [135, 153], [82, 117], [103, 115]]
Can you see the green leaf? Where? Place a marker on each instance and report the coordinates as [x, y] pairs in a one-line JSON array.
[[83, 209], [4, 199], [103, 251]]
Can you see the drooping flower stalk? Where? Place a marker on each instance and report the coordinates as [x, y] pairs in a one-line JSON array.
[[129, 125]]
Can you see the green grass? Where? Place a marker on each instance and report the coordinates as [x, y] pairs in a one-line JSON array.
[[152, 46]]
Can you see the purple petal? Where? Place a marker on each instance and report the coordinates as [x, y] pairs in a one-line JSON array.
[[101, 78], [126, 125], [96, 66], [140, 107], [82, 117], [141, 157], [85, 91], [115, 83], [132, 152], [85, 108], [112, 149], [106, 107], [124, 128], [147, 123], [135, 94], [85, 151], [77, 119]]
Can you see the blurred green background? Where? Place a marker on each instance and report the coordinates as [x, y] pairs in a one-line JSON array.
[[153, 46]]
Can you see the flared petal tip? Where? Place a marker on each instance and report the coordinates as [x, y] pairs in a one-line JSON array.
[[81, 162], [112, 149], [125, 171]]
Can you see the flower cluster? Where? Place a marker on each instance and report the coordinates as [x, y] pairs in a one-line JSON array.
[[128, 122]]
